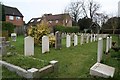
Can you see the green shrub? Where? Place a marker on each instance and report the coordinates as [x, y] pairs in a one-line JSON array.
[[7, 26], [73, 29]]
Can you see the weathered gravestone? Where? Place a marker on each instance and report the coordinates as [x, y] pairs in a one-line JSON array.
[[28, 46], [45, 44], [102, 70], [58, 43], [13, 36], [75, 40], [68, 41], [100, 50], [2, 46]]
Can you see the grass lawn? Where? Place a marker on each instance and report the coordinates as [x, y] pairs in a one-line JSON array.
[[74, 62]]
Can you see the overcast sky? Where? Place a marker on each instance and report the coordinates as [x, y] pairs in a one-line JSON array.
[[36, 8]]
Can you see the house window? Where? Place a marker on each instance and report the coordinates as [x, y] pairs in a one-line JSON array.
[[56, 21], [32, 20], [11, 18], [17, 18], [50, 21], [38, 20]]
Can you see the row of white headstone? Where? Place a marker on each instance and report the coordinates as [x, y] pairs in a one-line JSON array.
[[29, 43], [83, 36], [100, 47]]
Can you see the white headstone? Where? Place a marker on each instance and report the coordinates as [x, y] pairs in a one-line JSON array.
[[102, 70], [45, 44], [75, 40], [100, 50], [94, 37], [107, 44], [87, 38], [82, 39], [28, 46], [13, 36], [91, 37], [110, 42], [68, 41]]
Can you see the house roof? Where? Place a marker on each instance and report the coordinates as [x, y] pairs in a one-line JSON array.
[[12, 11], [51, 17], [48, 17], [34, 21]]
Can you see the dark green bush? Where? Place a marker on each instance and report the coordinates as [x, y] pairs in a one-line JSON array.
[[73, 29], [7, 26]]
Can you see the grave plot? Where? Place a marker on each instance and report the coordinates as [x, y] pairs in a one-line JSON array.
[[74, 61]]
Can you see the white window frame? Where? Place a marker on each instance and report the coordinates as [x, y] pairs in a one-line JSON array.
[[11, 17], [38, 20], [18, 18]]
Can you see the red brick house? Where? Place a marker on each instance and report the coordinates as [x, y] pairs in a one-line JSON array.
[[14, 16], [59, 19]]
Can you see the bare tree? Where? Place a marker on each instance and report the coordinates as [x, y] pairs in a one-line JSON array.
[[90, 8], [100, 18], [74, 9]]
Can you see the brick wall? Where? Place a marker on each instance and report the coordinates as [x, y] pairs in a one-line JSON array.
[[15, 21]]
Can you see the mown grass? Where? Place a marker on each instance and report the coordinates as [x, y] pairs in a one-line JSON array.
[[74, 62]]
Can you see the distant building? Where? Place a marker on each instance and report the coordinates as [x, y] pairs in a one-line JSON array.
[[52, 20], [95, 28], [14, 16]]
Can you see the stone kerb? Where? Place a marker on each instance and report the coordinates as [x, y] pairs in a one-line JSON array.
[[33, 72]]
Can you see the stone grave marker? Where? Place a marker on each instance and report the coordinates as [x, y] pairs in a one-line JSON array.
[[82, 39], [68, 41], [87, 39], [100, 49], [91, 37], [13, 36], [28, 46], [110, 42], [58, 43], [45, 44], [2, 46], [75, 40], [107, 44], [94, 37], [102, 70]]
